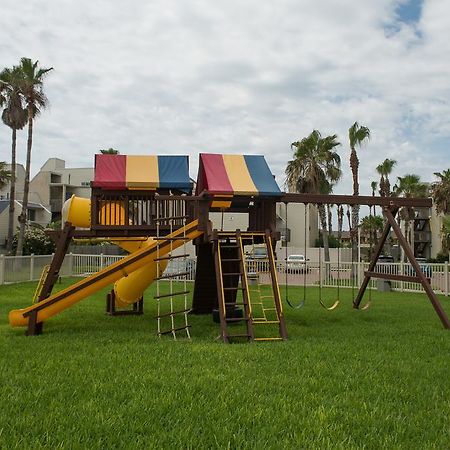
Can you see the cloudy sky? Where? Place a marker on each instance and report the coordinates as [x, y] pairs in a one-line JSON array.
[[248, 76]]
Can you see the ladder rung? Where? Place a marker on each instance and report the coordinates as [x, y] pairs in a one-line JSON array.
[[266, 296], [269, 309], [173, 313], [268, 322], [229, 246], [269, 339], [172, 294], [171, 257], [172, 275], [174, 330], [233, 259]]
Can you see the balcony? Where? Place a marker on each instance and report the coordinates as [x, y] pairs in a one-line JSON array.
[[56, 204]]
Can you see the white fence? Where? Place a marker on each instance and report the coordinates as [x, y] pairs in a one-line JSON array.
[[14, 269]]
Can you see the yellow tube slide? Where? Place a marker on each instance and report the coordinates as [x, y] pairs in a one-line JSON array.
[[67, 297], [129, 289]]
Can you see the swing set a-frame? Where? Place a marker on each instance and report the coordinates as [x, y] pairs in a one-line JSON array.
[[390, 207]]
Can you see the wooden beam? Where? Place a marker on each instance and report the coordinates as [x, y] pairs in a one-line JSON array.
[[423, 280], [394, 277]]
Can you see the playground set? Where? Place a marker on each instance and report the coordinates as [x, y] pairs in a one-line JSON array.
[[146, 205]]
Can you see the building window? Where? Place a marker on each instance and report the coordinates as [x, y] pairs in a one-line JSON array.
[[31, 215]]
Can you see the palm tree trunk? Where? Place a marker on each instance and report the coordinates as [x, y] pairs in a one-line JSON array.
[[26, 187], [330, 220], [354, 164], [12, 192], [323, 221]]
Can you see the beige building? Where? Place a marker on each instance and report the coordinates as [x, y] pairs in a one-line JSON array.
[[49, 188]]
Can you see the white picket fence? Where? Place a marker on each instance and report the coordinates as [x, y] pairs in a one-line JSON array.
[[15, 269]]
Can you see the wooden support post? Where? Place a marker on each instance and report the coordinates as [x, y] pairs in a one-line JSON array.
[[376, 255], [275, 286], [137, 307], [423, 280], [34, 327]]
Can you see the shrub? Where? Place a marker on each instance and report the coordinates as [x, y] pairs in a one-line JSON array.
[[35, 242]]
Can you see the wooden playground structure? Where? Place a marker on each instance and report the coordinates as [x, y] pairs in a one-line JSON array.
[[146, 204]]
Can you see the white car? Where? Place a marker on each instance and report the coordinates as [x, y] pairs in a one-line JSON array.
[[296, 263]]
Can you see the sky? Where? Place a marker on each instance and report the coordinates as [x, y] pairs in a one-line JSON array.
[[247, 76]]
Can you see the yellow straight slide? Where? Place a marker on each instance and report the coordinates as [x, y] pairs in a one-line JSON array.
[[88, 286]]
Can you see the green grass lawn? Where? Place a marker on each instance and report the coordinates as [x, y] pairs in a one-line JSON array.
[[345, 379]]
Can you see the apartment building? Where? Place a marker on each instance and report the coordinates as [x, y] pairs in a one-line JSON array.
[[49, 188]]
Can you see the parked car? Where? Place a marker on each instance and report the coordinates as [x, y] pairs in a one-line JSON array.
[[257, 253], [296, 263]]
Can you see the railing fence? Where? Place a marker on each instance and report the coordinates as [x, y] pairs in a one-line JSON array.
[[15, 269]]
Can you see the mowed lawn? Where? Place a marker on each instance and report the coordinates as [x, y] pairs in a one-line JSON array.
[[345, 379]]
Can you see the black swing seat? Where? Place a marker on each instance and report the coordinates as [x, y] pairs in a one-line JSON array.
[[298, 306]]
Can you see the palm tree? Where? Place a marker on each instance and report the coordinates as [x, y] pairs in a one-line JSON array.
[[446, 234], [31, 87], [409, 186], [314, 169], [440, 191], [109, 151], [385, 169], [371, 226], [357, 135], [5, 174], [373, 186], [15, 117]]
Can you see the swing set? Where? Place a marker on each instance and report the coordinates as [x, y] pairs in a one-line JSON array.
[[389, 207]]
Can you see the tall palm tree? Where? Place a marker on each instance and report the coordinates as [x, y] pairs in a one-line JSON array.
[[440, 191], [374, 186], [385, 169], [15, 117], [357, 135], [31, 87], [409, 186], [314, 169]]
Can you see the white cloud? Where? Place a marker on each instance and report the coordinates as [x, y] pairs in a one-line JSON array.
[[252, 77]]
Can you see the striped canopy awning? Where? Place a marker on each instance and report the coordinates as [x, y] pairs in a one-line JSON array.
[[149, 172], [237, 175]]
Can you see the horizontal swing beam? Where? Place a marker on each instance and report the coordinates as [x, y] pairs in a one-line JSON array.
[[355, 200], [394, 277]]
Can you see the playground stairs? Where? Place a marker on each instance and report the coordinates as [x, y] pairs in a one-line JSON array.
[[258, 313]]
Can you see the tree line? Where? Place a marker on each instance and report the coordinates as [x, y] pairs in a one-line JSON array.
[[316, 169], [22, 98]]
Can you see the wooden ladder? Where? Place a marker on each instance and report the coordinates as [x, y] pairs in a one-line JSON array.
[[231, 278], [268, 306], [229, 262]]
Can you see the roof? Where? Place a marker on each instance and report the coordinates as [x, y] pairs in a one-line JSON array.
[[31, 205], [236, 175], [142, 172]]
